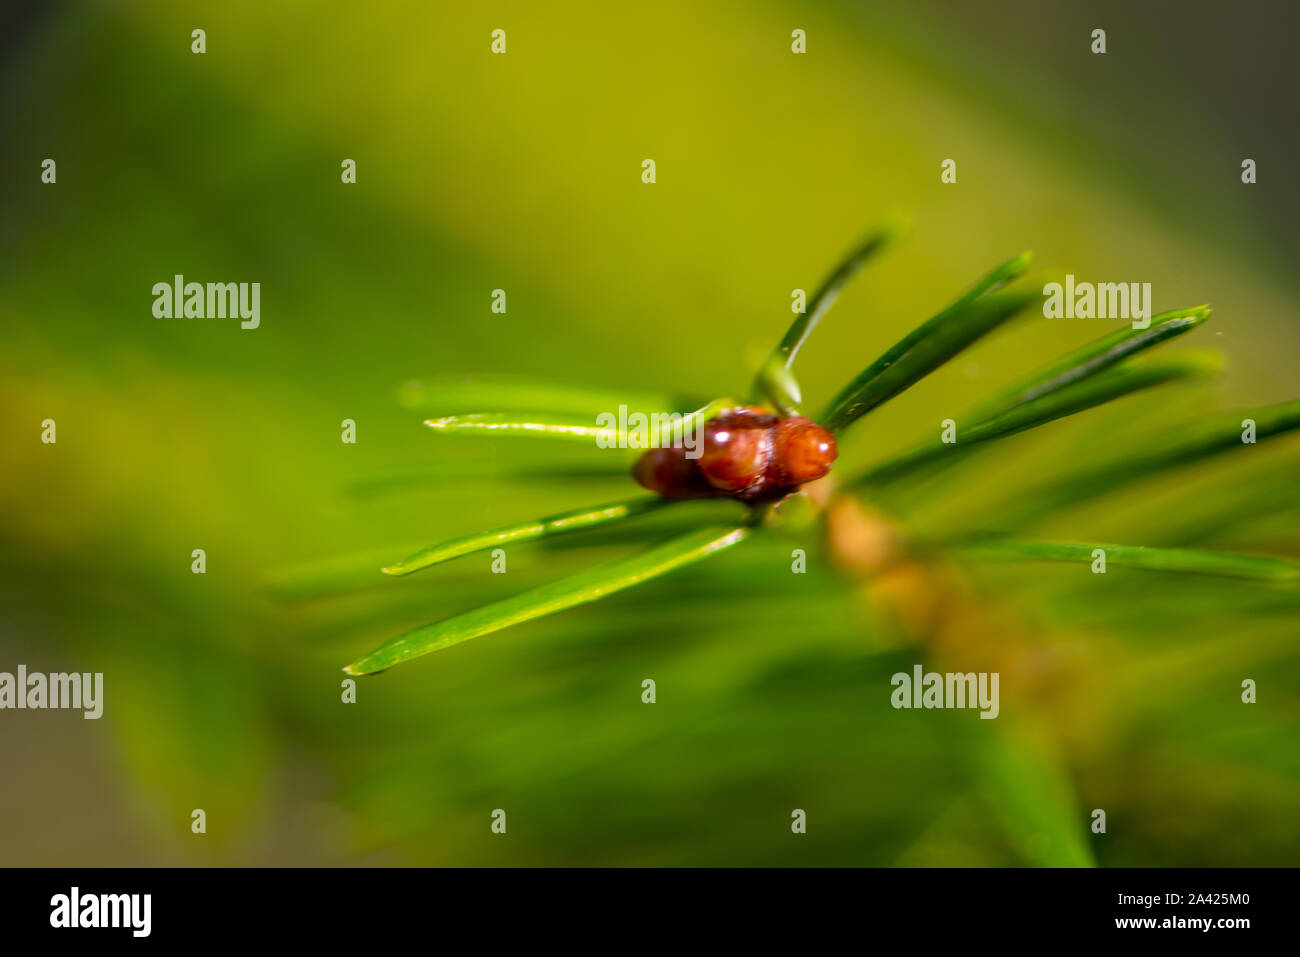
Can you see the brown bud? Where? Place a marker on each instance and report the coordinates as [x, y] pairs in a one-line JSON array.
[[670, 473], [804, 451], [736, 449]]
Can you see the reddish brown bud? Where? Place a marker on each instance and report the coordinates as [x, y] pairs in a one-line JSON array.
[[804, 450], [745, 453], [736, 449], [670, 473]]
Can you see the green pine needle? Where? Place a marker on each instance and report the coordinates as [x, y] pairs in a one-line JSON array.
[[1095, 357], [585, 586], [1190, 561], [775, 381], [1192, 444], [931, 344], [525, 531], [492, 424], [571, 428], [1132, 376]]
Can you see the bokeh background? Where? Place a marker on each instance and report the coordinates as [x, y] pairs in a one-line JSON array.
[[522, 172]]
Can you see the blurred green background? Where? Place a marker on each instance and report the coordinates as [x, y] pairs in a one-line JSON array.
[[522, 172]]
